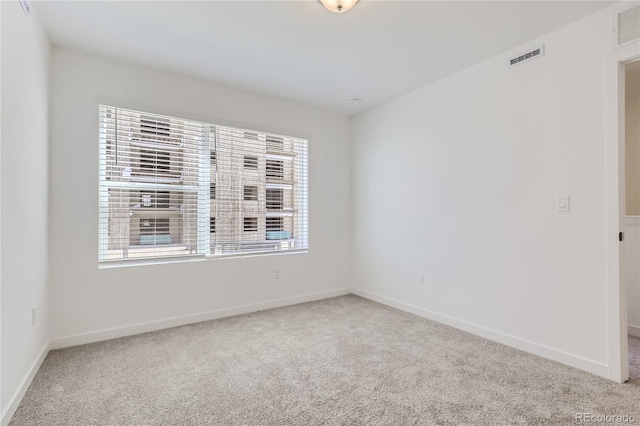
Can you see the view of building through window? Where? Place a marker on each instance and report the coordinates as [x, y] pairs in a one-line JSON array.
[[158, 199]]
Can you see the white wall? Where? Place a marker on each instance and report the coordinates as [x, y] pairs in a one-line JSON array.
[[86, 299], [459, 180], [25, 98]]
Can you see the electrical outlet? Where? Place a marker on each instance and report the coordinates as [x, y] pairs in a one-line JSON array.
[[276, 274], [420, 279], [33, 316]]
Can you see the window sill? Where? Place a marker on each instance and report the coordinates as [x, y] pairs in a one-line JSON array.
[[123, 263], [109, 264]]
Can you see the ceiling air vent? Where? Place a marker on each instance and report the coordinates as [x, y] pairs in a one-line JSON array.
[[626, 26], [527, 56]]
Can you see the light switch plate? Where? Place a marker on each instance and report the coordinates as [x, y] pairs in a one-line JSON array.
[[563, 203]]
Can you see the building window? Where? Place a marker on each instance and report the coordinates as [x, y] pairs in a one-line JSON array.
[[276, 229], [250, 193], [159, 177], [154, 231], [155, 162], [275, 169], [152, 226], [275, 224], [155, 199], [146, 199], [275, 143], [250, 162], [275, 199], [154, 128], [250, 224]]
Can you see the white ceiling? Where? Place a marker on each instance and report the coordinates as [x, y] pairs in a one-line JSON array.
[[300, 51]]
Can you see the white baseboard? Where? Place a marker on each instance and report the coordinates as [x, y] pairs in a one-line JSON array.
[[571, 360], [22, 389], [634, 330], [112, 333]]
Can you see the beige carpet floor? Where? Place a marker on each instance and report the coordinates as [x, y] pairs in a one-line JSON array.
[[340, 361]]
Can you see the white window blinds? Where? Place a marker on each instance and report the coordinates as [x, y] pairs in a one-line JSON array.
[[261, 192], [171, 187]]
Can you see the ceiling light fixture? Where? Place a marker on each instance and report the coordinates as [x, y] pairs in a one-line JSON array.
[[338, 6]]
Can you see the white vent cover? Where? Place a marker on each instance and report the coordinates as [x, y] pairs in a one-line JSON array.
[[527, 56], [626, 26]]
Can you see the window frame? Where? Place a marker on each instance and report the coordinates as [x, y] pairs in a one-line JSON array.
[[211, 157]]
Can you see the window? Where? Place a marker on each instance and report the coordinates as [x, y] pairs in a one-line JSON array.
[[155, 199], [154, 226], [146, 199], [250, 224], [275, 199], [275, 169], [250, 162], [275, 224], [160, 175], [275, 143], [152, 231], [250, 193], [154, 162], [276, 229], [155, 127]]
